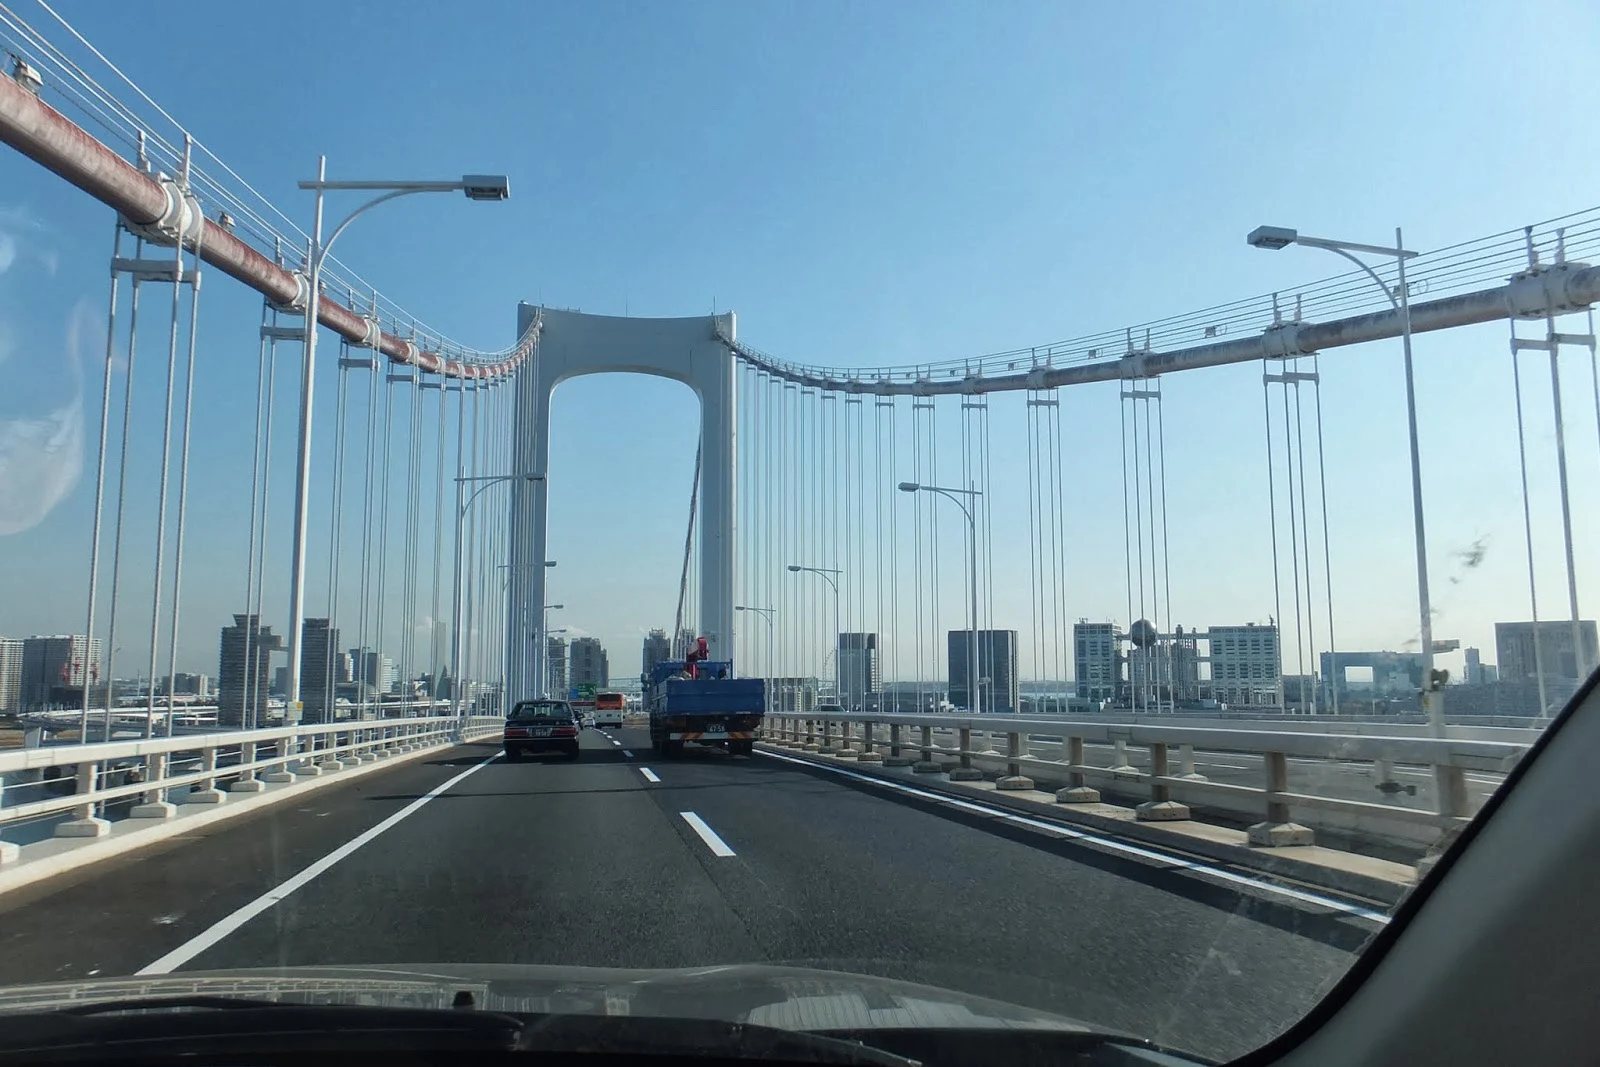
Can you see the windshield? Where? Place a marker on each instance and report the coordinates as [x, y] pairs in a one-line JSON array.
[[1073, 506]]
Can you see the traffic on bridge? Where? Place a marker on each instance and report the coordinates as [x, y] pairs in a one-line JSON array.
[[747, 652]]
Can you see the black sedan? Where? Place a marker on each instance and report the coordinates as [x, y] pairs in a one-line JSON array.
[[541, 726]]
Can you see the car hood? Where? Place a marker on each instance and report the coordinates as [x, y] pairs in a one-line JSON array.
[[788, 998]]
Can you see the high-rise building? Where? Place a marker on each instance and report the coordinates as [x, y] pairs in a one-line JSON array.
[[55, 670], [1515, 648], [389, 680], [280, 680], [1246, 667], [1095, 669], [859, 681], [998, 682], [10, 676], [589, 664], [657, 649], [1474, 667], [244, 670], [556, 666], [180, 684], [318, 669]]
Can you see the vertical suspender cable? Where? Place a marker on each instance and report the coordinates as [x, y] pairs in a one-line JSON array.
[[1058, 549], [1527, 522], [435, 625], [99, 498], [1127, 529], [1152, 661], [1294, 544], [987, 501], [166, 465], [122, 491], [933, 546], [364, 650], [380, 619], [183, 476], [1305, 542], [894, 551], [916, 505], [1166, 555], [335, 531], [1036, 588], [1272, 526], [1327, 554]]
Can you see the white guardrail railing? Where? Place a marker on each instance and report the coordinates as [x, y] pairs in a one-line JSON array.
[[82, 780], [910, 740]]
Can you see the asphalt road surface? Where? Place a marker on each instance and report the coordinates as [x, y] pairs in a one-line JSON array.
[[624, 859]]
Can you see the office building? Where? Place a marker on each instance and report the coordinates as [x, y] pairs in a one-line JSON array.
[[1517, 645], [556, 666], [243, 671], [318, 670], [190, 685], [791, 696], [657, 649], [1246, 667], [389, 680], [859, 681], [997, 670], [280, 680], [10, 676], [1472, 673], [1095, 668], [589, 665], [55, 670]]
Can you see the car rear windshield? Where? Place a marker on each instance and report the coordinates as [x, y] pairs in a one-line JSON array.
[[541, 709]]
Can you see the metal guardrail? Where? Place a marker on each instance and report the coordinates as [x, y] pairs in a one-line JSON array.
[[189, 767], [860, 736]]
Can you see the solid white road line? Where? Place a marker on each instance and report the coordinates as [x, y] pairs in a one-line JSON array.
[[227, 925], [1141, 852], [649, 775], [717, 846]]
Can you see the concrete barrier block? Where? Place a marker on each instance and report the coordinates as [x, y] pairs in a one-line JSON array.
[[965, 774], [159, 809], [1078, 794], [1279, 835], [1014, 781], [898, 761], [1161, 811], [824, 750], [279, 777], [83, 828], [8, 852], [205, 796], [811, 748], [869, 757], [328, 766], [248, 785], [926, 767]]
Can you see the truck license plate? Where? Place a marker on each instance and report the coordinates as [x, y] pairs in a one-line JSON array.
[[715, 728]]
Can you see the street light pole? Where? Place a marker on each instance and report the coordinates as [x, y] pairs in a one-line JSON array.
[[488, 480], [477, 187], [544, 649], [768, 614], [830, 576], [1276, 237], [974, 686]]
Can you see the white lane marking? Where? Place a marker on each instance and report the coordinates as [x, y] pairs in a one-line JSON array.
[[717, 846], [649, 775], [1170, 862], [614, 741], [628, 753], [228, 924]]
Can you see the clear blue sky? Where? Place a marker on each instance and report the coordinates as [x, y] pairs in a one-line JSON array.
[[861, 186]]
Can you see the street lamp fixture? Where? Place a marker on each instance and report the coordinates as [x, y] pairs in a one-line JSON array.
[[769, 614], [476, 187], [974, 682], [1276, 237], [831, 576]]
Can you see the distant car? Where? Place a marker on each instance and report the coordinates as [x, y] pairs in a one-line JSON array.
[[541, 726], [830, 709], [588, 720]]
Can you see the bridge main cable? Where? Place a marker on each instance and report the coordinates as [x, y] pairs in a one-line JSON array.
[[164, 213]]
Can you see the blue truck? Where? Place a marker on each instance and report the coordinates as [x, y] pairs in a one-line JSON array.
[[713, 708]]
